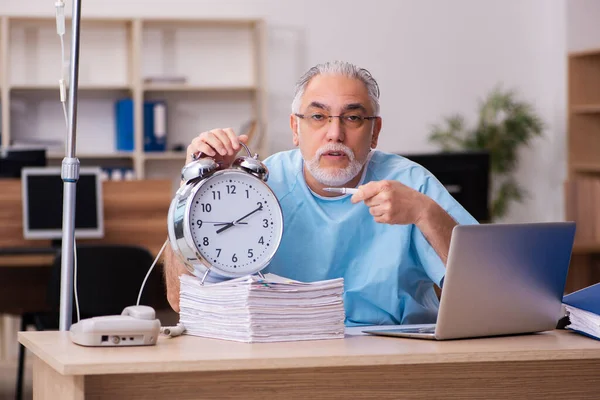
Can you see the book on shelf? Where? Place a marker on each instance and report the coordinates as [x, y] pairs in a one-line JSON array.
[[124, 124], [583, 310], [252, 309], [155, 125]]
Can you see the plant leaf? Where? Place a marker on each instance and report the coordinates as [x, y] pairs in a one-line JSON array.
[[505, 124], [508, 191]]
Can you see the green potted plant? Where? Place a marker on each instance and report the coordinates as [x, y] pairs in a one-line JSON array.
[[505, 124]]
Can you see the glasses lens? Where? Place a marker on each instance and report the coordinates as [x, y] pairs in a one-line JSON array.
[[352, 121], [317, 120]]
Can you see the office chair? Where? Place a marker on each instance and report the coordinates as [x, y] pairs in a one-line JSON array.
[[109, 278]]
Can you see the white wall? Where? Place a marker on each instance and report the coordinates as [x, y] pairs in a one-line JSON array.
[[583, 25], [431, 58]]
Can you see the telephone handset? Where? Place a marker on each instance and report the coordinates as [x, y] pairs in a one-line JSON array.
[[139, 312], [136, 326]]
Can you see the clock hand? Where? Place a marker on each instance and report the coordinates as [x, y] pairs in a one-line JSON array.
[[249, 214], [216, 223], [229, 225]]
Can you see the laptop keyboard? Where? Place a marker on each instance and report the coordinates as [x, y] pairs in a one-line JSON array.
[[425, 329]]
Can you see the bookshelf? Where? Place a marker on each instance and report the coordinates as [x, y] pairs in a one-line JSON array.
[[218, 63], [582, 189]]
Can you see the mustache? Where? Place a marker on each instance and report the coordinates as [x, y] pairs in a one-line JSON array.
[[337, 147]]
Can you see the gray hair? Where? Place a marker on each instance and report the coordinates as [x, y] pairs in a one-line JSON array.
[[337, 68]]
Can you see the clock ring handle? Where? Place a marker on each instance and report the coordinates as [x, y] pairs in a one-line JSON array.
[[198, 155], [247, 149]]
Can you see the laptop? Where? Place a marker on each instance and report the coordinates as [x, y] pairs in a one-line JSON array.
[[501, 279]]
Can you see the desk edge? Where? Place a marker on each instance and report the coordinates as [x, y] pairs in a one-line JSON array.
[[301, 363], [42, 355]]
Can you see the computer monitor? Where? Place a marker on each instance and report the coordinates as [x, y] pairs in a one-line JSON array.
[[466, 175], [12, 161], [43, 203]]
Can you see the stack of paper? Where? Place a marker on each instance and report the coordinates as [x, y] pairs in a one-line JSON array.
[[251, 309], [583, 308]]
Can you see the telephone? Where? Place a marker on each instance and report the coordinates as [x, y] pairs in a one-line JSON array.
[[136, 326]]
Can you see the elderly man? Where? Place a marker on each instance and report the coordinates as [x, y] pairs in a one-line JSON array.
[[389, 241]]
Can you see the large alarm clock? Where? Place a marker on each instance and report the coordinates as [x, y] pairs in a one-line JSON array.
[[225, 223]]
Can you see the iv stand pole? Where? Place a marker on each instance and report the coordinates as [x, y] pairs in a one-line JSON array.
[[70, 175]]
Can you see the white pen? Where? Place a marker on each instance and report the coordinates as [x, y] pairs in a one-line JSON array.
[[341, 190]]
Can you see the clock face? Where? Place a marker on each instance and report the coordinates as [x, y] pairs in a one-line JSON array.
[[235, 222]]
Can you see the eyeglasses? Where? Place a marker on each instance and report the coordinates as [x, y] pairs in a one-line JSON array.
[[319, 120]]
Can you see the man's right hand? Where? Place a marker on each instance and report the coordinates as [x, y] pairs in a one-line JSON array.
[[220, 144]]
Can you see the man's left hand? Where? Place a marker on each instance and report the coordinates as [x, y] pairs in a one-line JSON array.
[[391, 202]]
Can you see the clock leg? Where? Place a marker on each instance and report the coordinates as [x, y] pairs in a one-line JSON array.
[[204, 277]]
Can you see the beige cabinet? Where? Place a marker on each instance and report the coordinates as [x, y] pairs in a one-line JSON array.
[[210, 73]]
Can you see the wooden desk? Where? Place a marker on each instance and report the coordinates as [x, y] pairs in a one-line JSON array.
[[558, 364], [135, 212], [28, 260]]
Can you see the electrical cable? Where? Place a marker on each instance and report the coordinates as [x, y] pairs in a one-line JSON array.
[[149, 271], [171, 331], [75, 279]]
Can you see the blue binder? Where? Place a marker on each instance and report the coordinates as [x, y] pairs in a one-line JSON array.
[[587, 299], [124, 124], [155, 125]]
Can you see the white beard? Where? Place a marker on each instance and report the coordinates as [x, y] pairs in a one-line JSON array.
[[334, 176]]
